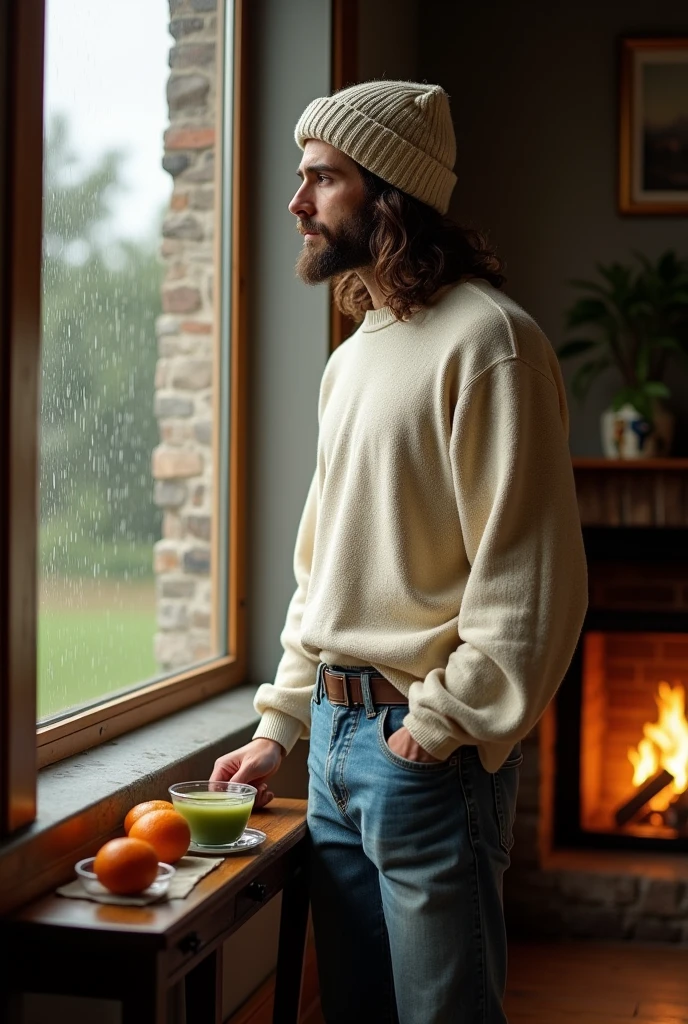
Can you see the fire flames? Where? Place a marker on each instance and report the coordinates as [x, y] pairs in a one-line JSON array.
[[664, 746]]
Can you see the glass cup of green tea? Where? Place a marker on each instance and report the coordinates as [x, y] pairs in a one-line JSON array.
[[217, 812]]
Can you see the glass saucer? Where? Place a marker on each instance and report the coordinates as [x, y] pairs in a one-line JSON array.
[[247, 840], [89, 880]]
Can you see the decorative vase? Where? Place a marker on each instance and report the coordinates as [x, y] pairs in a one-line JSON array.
[[627, 434]]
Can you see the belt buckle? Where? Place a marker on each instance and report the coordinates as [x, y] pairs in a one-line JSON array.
[[345, 690]]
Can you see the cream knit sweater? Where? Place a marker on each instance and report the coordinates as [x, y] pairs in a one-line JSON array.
[[440, 541]]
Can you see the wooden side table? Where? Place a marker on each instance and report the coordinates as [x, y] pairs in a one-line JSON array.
[[136, 954]]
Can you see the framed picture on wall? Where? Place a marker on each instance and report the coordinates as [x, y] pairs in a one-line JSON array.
[[653, 128]]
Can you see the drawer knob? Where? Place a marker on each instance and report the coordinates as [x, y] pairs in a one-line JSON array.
[[191, 943], [257, 891]]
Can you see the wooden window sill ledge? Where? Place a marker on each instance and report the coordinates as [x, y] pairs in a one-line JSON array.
[[83, 799]]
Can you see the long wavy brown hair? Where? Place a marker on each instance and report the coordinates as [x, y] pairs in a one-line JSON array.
[[414, 250]]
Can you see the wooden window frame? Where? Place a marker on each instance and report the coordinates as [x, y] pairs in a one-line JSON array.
[[21, 153], [23, 746], [344, 64]]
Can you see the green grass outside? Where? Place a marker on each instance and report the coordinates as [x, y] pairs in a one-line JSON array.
[[94, 644]]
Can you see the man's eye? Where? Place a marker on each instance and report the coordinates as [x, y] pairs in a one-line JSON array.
[[323, 177]]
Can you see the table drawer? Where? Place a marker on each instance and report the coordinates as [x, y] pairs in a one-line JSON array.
[[205, 930], [260, 891], [201, 935]]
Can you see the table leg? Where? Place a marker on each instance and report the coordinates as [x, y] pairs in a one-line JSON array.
[[204, 990], [10, 1005], [292, 941], [145, 1001]]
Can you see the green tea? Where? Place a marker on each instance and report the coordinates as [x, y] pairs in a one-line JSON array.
[[215, 819]]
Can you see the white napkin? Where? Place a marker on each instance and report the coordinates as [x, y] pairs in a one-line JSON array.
[[189, 871]]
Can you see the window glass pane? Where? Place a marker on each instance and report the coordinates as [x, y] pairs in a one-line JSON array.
[[131, 348]]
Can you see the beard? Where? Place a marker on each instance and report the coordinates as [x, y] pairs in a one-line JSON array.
[[347, 248]]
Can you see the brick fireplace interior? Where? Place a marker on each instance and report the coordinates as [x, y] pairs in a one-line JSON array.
[[602, 837], [620, 714]]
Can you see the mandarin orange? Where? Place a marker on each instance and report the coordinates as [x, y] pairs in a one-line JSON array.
[[139, 809], [126, 866], [167, 832]]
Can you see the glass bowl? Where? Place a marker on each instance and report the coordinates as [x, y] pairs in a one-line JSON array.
[[158, 887], [217, 812]]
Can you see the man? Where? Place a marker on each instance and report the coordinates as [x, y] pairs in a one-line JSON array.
[[440, 569]]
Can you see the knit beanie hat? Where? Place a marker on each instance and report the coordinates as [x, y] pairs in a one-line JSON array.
[[401, 131]]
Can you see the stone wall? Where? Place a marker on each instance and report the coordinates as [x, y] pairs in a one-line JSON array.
[[183, 462]]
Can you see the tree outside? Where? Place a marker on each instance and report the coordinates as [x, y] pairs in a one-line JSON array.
[[98, 521]]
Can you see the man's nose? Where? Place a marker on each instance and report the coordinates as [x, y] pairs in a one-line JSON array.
[[301, 205]]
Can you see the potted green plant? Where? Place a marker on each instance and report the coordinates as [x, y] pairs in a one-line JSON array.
[[638, 317]]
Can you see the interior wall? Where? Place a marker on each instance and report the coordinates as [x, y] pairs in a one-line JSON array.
[[533, 89], [288, 325], [288, 321], [387, 39]]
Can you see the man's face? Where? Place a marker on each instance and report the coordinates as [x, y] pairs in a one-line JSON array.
[[333, 214]]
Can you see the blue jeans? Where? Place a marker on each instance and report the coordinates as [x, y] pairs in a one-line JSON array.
[[408, 860]]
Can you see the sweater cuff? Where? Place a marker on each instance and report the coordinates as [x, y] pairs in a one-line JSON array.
[[440, 745], [275, 725]]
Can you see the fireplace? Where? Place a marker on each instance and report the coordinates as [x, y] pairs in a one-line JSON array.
[[575, 871], [621, 747]]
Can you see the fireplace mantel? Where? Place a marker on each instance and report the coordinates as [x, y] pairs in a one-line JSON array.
[[584, 462], [632, 492]]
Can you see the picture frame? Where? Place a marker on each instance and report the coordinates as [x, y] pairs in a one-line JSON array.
[[653, 125]]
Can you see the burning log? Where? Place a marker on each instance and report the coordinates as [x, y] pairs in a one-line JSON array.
[[676, 816], [660, 760], [645, 793]]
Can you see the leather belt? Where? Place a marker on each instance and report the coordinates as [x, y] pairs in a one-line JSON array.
[[344, 687]]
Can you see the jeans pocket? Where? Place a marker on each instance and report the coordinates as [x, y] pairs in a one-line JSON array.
[[386, 725], [505, 790]]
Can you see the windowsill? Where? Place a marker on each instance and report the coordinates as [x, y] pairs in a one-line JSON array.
[[82, 800]]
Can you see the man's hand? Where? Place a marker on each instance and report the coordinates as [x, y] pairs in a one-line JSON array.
[[253, 763], [402, 743]]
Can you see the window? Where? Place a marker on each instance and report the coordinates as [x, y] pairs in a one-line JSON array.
[[136, 441]]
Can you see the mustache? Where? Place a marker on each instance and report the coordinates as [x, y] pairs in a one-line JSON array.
[[305, 227]]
